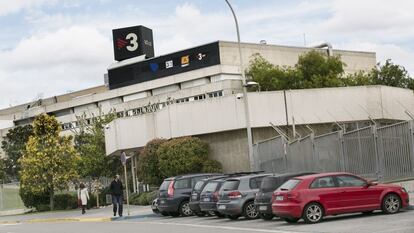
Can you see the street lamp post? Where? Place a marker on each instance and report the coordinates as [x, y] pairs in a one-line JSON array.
[[246, 103]]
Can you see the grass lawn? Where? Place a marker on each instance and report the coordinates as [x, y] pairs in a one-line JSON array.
[[11, 199]]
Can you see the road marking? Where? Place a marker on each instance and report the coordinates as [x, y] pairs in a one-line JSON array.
[[215, 227]]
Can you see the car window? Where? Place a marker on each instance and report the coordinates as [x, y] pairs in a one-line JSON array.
[[350, 181], [289, 185], [254, 183], [210, 187], [165, 184], [230, 185], [196, 179], [323, 182], [199, 185], [269, 184], [182, 184]]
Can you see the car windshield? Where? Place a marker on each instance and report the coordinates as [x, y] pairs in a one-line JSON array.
[[165, 184], [289, 185], [210, 187], [269, 184], [230, 185], [199, 185]]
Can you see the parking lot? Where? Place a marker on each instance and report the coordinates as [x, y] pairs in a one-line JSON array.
[[376, 222]]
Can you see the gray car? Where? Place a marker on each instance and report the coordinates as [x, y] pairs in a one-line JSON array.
[[236, 196]]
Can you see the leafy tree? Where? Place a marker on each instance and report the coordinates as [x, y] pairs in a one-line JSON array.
[[2, 169], [90, 143], [213, 166], [148, 165], [49, 161], [182, 155], [313, 69], [391, 74], [14, 144], [318, 70]]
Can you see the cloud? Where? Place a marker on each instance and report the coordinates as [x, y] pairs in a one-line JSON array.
[[67, 59], [70, 51], [9, 7]]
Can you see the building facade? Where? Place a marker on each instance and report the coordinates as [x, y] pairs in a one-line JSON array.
[[204, 100]]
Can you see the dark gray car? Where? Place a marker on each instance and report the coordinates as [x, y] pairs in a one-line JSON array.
[[263, 200], [236, 196], [175, 192]]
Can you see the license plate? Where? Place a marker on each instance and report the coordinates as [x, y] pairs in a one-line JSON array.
[[221, 207], [206, 199], [262, 207], [279, 198], [162, 202]]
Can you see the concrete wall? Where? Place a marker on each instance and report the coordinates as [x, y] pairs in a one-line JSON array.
[[288, 56], [217, 115]]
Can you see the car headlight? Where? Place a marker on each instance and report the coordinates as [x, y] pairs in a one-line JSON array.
[[404, 190]]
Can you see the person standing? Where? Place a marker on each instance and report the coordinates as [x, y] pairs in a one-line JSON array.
[[117, 192], [83, 196]]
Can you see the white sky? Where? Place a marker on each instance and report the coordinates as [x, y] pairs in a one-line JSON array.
[[50, 47]]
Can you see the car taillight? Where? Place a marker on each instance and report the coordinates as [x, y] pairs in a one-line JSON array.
[[170, 192], [234, 195], [215, 196], [293, 197]]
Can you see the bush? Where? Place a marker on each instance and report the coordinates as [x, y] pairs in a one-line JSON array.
[[182, 156], [142, 198], [148, 167], [66, 201], [31, 199], [212, 166], [43, 207]]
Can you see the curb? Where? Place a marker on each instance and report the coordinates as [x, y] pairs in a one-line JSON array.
[[132, 217]]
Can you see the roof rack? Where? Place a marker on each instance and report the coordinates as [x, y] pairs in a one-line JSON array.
[[243, 173]]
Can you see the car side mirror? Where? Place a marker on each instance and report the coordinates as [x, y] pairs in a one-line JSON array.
[[371, 183]]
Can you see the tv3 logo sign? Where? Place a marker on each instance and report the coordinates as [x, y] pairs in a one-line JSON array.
[[130, 42]]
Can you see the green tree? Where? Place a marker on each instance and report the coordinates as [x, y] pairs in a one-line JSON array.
[[2, 169], [90, 143], [148, 165], [182, 155], [312, 70], [317, 70], [14, 144], [391, 74], [49, 161]]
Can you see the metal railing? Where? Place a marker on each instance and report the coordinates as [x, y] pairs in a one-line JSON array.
[[381, 153]]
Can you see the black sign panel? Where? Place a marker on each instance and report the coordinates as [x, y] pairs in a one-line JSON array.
[[179, 62], [132, 41]]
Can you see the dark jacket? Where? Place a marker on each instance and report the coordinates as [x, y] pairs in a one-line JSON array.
[[116, 187]]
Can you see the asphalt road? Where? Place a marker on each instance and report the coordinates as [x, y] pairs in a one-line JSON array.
[[377, 222]]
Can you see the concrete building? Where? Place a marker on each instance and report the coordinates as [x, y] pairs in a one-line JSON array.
[[206, 102]]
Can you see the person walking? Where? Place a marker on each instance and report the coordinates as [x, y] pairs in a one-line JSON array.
[[83, 196], [117, 192]]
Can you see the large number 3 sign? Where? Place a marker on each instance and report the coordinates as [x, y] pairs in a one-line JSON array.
[[133, 41]]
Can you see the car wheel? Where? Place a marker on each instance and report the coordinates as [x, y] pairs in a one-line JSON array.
[[249, 211], [391, 203], [185, 209], [291, 220], [211, 213], [164, 213], [218, 214], [266, 216], [313, 213]]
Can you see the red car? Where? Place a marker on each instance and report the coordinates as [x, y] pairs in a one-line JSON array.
[[313, 196]]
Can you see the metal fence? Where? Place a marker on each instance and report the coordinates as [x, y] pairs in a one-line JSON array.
[[9, 197], [382, 153]]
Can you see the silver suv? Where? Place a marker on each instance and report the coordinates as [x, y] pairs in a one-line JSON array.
[[236, 196]]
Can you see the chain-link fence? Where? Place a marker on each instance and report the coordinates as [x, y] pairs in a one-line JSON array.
[[383, 153], [9, 197]]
